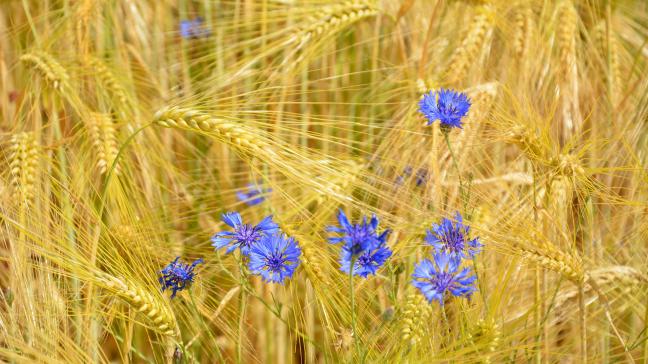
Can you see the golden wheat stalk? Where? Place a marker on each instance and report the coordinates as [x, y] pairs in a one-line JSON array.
[[523, 31], [549, 257], [108, 81], [613, 278], [157, 312], [48, 67], [472, 45], [332, 19], [23, 166], [102, 133], [567, 33], [416, 314], [486, 336], [247, 140], [608, 44]]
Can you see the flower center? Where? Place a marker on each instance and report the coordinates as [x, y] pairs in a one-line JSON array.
[[247, 234], [360, 238], [454, 240], [447, 109], [275, 263], [364, 260], [442, 281]]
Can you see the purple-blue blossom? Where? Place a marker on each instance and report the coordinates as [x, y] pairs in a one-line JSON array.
[[244, 235], [435, 279], [274, 257], [194, 28], [367, 262], [357, 238], [254, 194], [447, 106], [453, 238], [177, 276]]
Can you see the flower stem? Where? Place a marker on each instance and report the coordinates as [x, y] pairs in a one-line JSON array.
[[194, 307], [354, 331], [239, 342], [446, 322], [456, 166]]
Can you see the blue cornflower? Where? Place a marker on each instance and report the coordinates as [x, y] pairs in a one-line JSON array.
[[178, 276], [274, 257], [244, 235], [421, 176], [253, 195], [453, 238], [194, 28], [367, 262], [407, 171], [433, 279], [357, 238], [447, 106]]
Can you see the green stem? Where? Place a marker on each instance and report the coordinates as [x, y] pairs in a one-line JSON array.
[[354, 331], [114, 165], [446, 322], [246, 287], [456, 166], [139, 354], [70, 233], [194, 307], [243, 281]]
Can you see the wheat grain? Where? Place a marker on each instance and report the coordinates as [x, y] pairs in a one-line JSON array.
[[247, 140], [623, 279], [567, 32], [344, 340], [324, 24], [528, 141], [312, 265], [351, 173]]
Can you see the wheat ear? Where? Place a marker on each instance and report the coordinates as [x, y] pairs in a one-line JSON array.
[[108, 80], [248, 140], [608, 44], [566, 34], [332, 19], [618, 277], [48, 67], [487, 335], [416, 313], [102, 134], [24, 161], [523, 33], [466, 54], [551, 258], [144, 302]]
